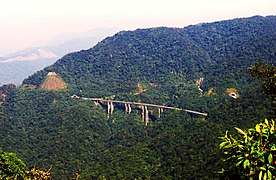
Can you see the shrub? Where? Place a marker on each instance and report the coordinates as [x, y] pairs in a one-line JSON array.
[[253, 151]]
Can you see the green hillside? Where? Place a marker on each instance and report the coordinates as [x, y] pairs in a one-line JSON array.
[[159, 66]]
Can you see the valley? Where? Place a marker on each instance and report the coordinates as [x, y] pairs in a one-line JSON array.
[[200, 73]]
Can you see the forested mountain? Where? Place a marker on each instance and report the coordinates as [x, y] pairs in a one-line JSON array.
[[202, 67]]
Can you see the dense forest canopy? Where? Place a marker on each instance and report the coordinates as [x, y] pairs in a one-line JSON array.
[[166, 66]]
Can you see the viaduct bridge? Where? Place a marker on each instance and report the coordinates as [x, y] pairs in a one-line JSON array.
[[144, 107]]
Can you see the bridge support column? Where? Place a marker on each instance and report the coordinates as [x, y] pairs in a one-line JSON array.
[[160, 111], [110, 108], [128, 108], [145, 115]]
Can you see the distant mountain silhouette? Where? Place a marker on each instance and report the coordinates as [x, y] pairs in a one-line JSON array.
[[19, 65], [33, 56]]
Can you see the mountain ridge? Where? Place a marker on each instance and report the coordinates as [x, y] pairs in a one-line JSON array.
[[183, 38], [171, 64]]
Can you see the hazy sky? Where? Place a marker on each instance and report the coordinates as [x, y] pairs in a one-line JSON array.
[[23, 23]]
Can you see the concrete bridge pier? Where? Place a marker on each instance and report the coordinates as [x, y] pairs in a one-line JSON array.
[[160, 111], [144, 107], [128, 108], [110, 108], [145, 115]]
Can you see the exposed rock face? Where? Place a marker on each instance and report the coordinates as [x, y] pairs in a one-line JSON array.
[[2, 98], [53, 83], [233, 93], [153, 85], [140, 89], [210, 91], [198, 83]]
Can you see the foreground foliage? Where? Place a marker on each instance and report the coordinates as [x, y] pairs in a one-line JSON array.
[[253, 151], [268, 75], [13, 168]]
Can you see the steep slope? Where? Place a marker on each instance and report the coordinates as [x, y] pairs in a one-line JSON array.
[[218, 51], [166, 64], [53, 82], [115, 64]]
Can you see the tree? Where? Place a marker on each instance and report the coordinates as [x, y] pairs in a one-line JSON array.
[[11, 167], [268, 75], [253, 152]]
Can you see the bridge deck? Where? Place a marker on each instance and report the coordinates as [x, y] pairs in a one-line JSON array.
[[141, 104]]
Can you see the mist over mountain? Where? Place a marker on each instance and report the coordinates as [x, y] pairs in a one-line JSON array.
[[15, 72], [202, 67], [36, 55], [19, 65], [70, 42]]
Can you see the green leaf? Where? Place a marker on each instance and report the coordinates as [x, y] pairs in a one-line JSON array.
[[260, 175], [240, 158], [262, 159], [240, 131], [246, 163], [270, 158], [272, 124], [223, 144], [269, 174], [265, 135], [265, 177], [258, 128], [240, 146], [266, 122], [221, 172], [239, 163]]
